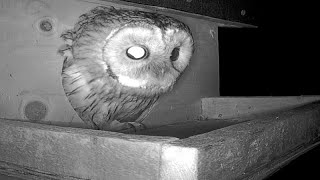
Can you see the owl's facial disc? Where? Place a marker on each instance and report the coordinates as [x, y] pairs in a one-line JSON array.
[[137, 52]]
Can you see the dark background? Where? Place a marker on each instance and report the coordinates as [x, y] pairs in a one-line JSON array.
[[279, 58]]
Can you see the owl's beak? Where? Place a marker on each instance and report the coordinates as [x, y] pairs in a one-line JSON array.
[[162, 71]]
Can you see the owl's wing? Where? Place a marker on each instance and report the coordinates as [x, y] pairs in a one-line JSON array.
[[80, 79], [127, 114], [148, 110]]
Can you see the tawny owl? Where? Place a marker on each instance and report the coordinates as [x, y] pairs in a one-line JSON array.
[[120, 62]]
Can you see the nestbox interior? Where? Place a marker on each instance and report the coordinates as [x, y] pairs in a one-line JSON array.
[[30, 76]]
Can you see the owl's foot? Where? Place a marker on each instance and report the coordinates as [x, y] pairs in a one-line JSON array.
[[137, 126], [125, 127]]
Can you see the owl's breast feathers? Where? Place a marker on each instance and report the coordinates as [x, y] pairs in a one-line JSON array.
[[97, 98]]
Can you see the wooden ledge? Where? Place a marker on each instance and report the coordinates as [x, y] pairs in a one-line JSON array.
[[248, 150], [37, 151]]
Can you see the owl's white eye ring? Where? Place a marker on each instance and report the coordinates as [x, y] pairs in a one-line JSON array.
[[137, 52]]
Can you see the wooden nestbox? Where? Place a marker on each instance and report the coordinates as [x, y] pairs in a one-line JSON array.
[[192, 134]]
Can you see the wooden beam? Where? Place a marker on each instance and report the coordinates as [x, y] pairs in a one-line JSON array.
[[236, 11], [233, 107], [221, 22]]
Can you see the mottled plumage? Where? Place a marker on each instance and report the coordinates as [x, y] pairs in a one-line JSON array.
[[120, 61]]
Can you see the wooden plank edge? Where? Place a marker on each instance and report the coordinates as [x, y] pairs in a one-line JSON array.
[[219, 22]]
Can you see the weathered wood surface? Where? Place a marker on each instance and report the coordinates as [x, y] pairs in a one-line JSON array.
[[37, 151], [248, 150], [4, 177]]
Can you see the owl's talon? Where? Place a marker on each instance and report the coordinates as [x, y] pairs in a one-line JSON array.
[[137, 126], [125, 127]]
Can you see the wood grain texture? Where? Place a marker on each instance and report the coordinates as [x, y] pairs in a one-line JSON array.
[[256, 148], [21, 172]]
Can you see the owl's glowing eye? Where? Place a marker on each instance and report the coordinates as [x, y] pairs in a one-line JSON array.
[[175, 54], [137, 52]]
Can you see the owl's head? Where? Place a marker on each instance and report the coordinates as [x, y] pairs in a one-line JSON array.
[[148, 51], [141, 49]]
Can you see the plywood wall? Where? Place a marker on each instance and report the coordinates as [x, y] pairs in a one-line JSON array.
[[30, 67]]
